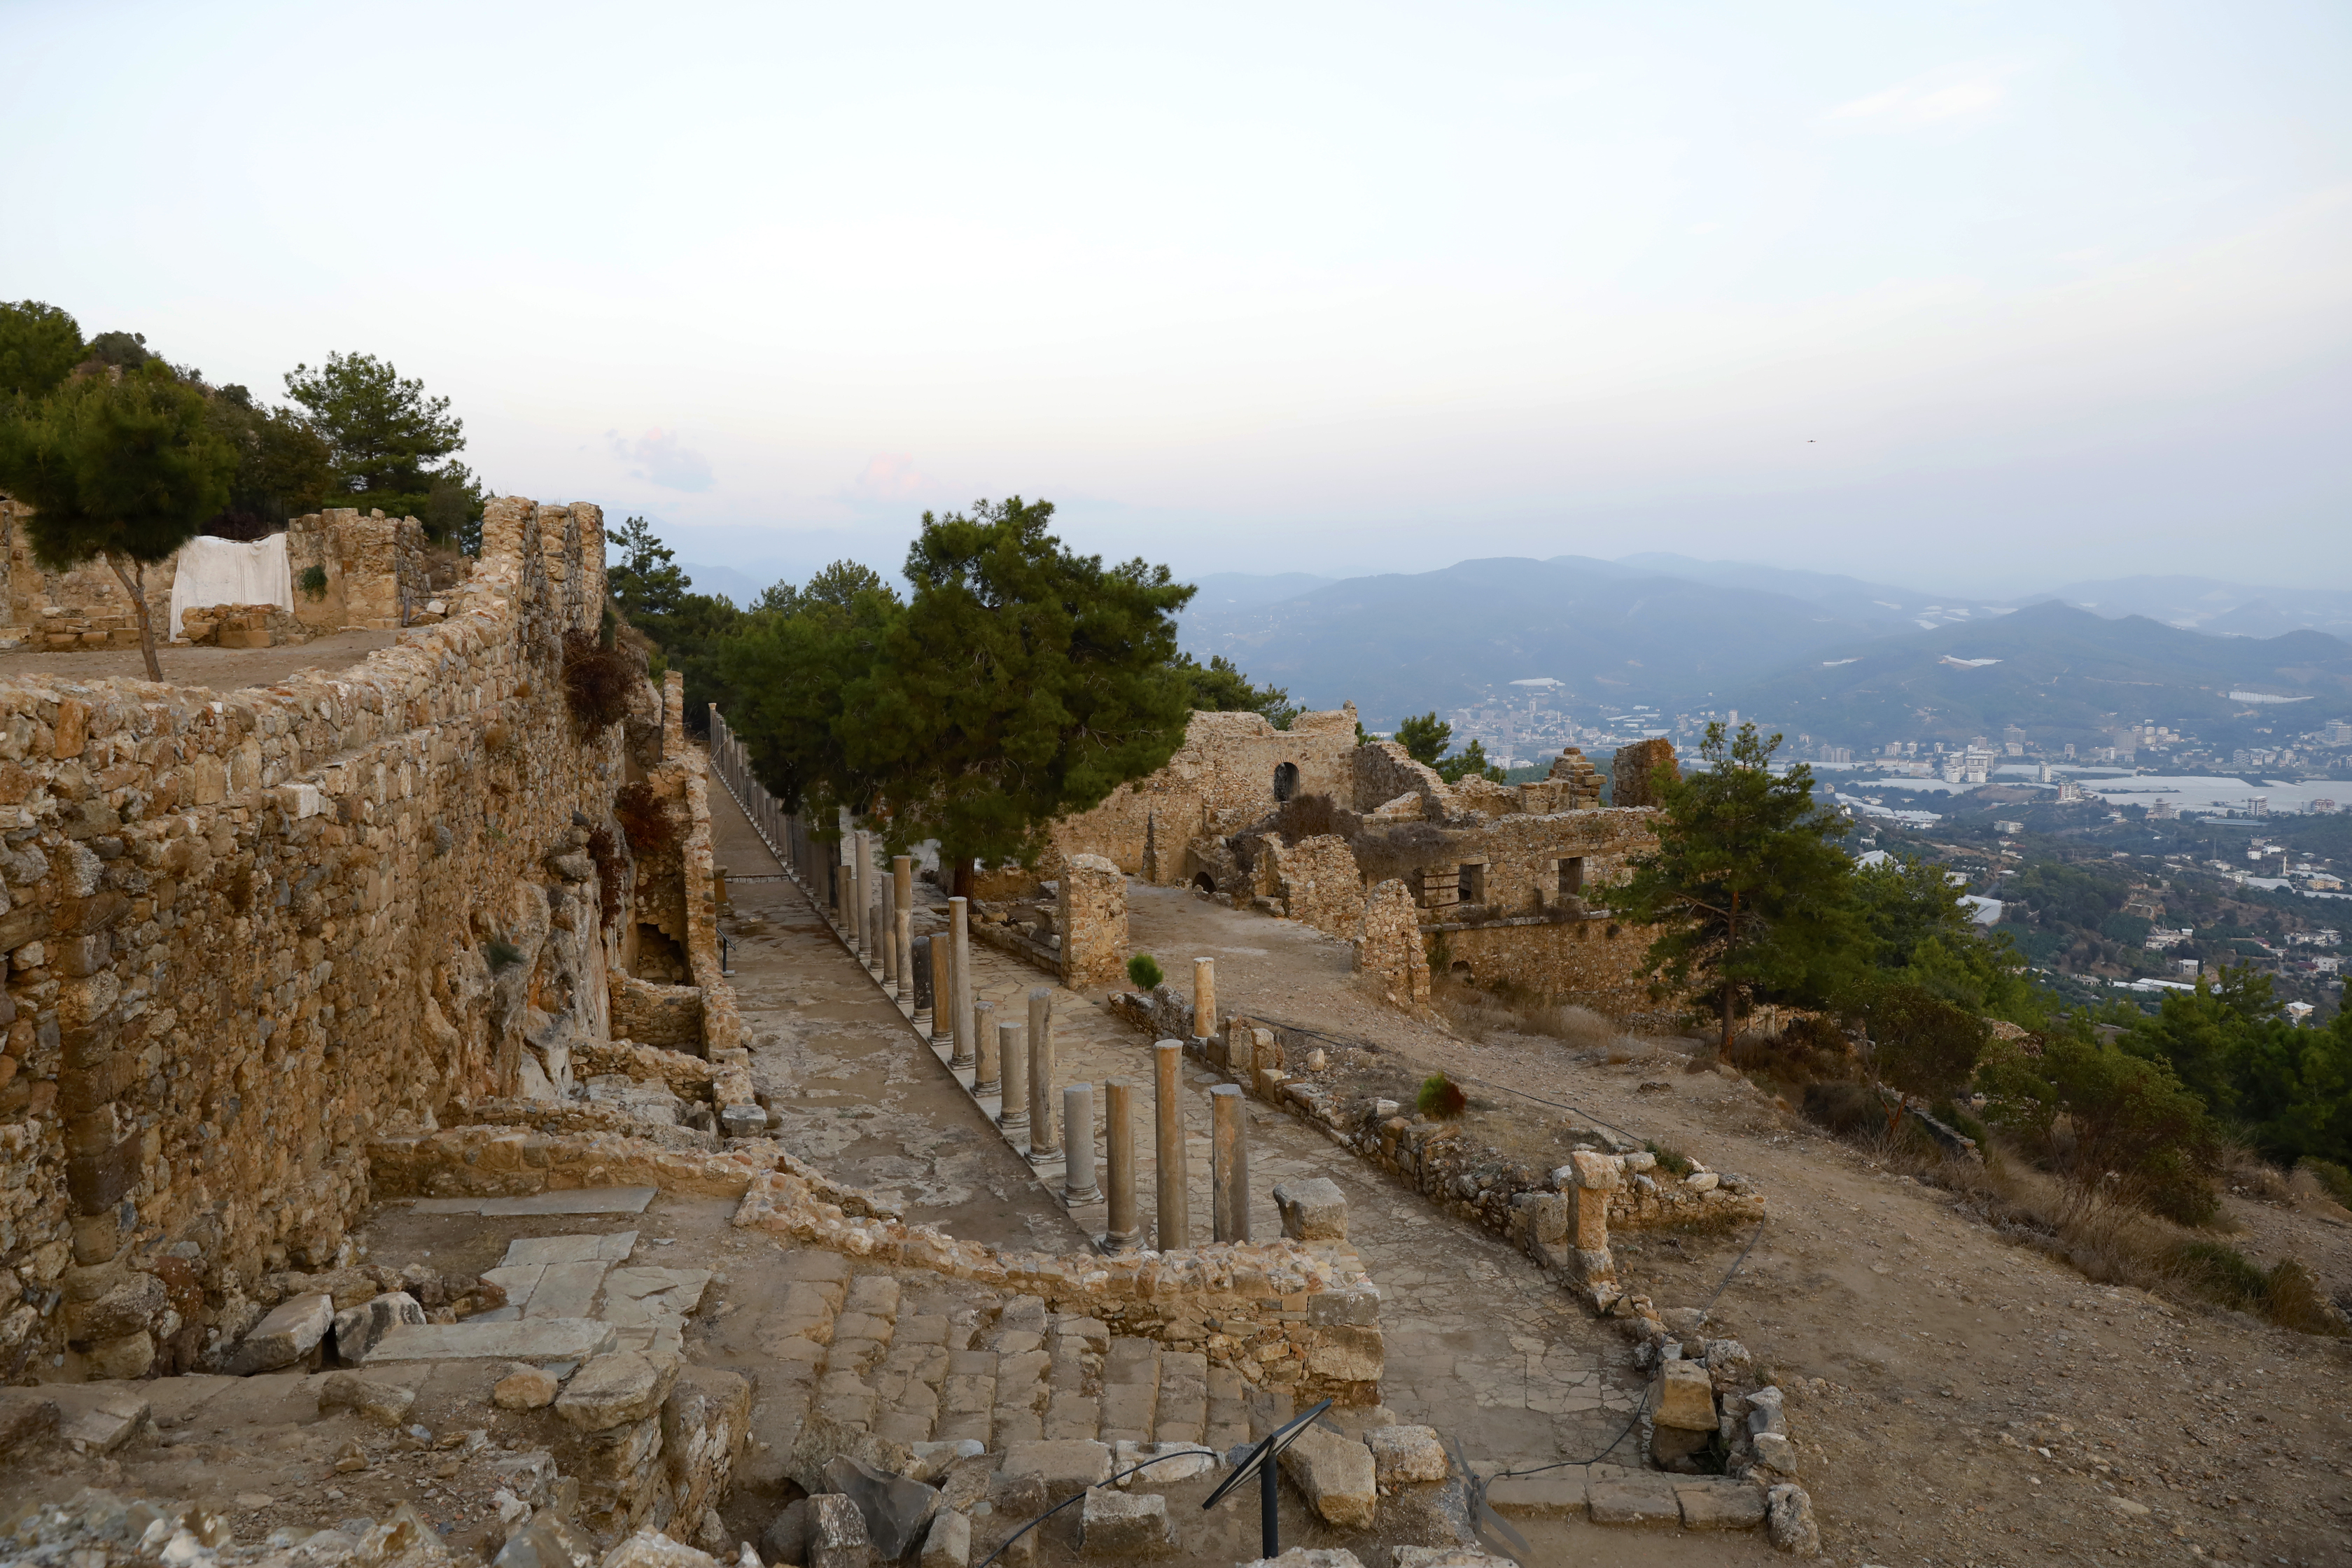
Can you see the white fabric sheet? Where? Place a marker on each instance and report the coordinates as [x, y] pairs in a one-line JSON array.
[[223, 572]]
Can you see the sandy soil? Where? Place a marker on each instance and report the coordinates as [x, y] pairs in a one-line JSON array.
[[215, 669], [1958, 1397]]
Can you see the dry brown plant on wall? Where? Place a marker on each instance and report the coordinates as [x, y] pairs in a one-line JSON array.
[[645, 821], [597, 680]]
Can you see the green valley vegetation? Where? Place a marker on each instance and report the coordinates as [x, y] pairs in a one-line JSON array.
[[357, 434], [1425, 738]]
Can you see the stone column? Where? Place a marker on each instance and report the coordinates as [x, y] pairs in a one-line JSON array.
[[869, 897], [984, 1044], [1044, 1142], [1078, 1145], [886, 935], [1168, 1132], [959, 999], [902, 888], [926, 967], [1118, 1135], [1204, 997], [903, 939], [1012, 1060], [1229, 1163]]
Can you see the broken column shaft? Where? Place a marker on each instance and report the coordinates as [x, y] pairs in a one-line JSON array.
[[984, 1045], [1204, 997], [1118, 1145], [1078, 1145], [1044, 1142], [960, 969], [902, 885], [1228, 1164], [1013, 1061], [926, 967], [1168, 1144]]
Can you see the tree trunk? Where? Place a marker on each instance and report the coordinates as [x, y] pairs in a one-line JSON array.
[[135, 583]]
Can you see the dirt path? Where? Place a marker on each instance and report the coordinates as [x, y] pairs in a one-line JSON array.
[[1959, 1398], [218, 669]]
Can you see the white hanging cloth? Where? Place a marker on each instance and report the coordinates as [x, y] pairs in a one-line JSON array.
[[212, 571]]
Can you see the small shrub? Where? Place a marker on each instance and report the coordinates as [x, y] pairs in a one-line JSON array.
[[2330, 1176], [1441, 1097], [312, 580], [501, 953], [1672, 1161], [597, 680], [2220, 1272], [1143, 972], [643, 820], [2294, 1298], [1843, 1105]]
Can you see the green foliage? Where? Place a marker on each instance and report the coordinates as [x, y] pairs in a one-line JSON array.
[[453, 508], [283, 469], [39, 346], [1922, 1044], [2336, 1178], [1672, 1161], [130, 469], [1219, 687], [1143, 972], [2231, 1044], [384, 432], [1904, 901], [2289, 1294], [1473, 760], [312, 580], [124, 350], [1441, 1098], [655, 594], [1749, 889], [1424, 738], [2118, 1126]]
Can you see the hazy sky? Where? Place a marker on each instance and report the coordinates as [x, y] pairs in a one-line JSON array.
[[1979, 295]]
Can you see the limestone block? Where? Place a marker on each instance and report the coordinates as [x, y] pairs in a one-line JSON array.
[[133, 1304], [1309, 1557], [1686, 1397], [290, 1332], [385, 1403], [1775, 1453], [127, 1356], [836, 1533], [1790, 1523], [896, 1511], [1064, 1464], [1403, 1454], [1335, 1474], [1348, 1354], [1124, 1524], [821, 1438], [1599, 1172], [615, 1389], [1090, 913], [1314, 1210], [1167, 1463], [360, 1328], [652, 1549], [1640, 1497], [1718, 1502], [107, 1425], [948, 1542]]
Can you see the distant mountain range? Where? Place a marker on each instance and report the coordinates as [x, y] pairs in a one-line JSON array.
[[1827, 653]]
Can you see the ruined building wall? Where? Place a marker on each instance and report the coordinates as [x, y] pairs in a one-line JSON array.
[[375, 567], [1221, 779], [248, 932]]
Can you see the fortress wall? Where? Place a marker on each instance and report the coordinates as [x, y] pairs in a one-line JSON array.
[[248, 931]]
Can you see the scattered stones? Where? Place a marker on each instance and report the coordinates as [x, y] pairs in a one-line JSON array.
[[1717, 1502], [1335, 1474], [949, 1544], [1124, 1524], [385, 1403], [293, 1330], [652, 1549], [895, 1510], [525, 1388], [821, 1438], [932, 1460], [1312, 1210], [1403, 1454]]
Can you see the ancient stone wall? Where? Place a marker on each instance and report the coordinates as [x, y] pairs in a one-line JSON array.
[[1390, 955], [1597, 962], [1320, 885], [247, 932], [1640, 771], [84, 607], [1090, 912], [1384, 775], [375, 567], [1224, 777], [1521, 858]]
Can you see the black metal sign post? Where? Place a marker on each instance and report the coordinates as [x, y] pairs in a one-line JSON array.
[[1261, 1457]]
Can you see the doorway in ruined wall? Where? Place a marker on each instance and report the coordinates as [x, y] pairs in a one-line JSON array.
[[1572, 877], [1285, 780]]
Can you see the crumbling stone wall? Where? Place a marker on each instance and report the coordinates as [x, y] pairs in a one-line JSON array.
[[1640, 771], [247, 932], [1090, 912], [1390, 955], [1600, 963], [1384, 776], [83, 606], [1221, 779], [1320, 885]]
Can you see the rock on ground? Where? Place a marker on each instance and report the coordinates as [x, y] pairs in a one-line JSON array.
[[386, 1403], [1124, 1524], [1407, 1454], [949, 1544], [615, 1389], [652, 1549], [291, 1331], [1335, 1474], [1312, 1210], [836, 1533], [1788, 1521], [895, 1509], [524, 1388]]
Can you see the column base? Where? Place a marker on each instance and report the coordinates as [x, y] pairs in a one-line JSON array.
[[1091, 1195], [1110, 1244], [982, 1090]]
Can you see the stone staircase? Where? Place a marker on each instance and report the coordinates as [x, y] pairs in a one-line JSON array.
[[915, 1362]]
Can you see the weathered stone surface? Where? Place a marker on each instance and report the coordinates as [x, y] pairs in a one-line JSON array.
[[1309, 1557], [786, 1540], [525, 1388], [821, 1439], [291, 1331], [131, 1306], [1091, 916], [948, 1544], [896, 1508], [1686, 1397], [1790, 1521], [1641, 1497], [359, 1330], [1718, 1502], [613, 1390], [836, 1533], [385, 1403], [1167, 1463], [26, 1417], [1775, 1453], [534, 1338], [1124, 1524], [652, 1549], [1407, 1454], [1448, 1557], [1064, 1464], [1314, 1210], [107, 1425], [706, 1420], [1335, 1474], [124, 1358]]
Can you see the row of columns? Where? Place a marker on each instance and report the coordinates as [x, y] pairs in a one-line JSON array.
[[1014, 1061]]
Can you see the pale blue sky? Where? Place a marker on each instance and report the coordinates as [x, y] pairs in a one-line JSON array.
[[1985, 296]]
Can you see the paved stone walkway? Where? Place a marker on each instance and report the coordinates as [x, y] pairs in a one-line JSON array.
[[1481, 1344]]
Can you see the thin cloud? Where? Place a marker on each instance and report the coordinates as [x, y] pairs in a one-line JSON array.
[[657, 458], [890, 476], [1940, 97]]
